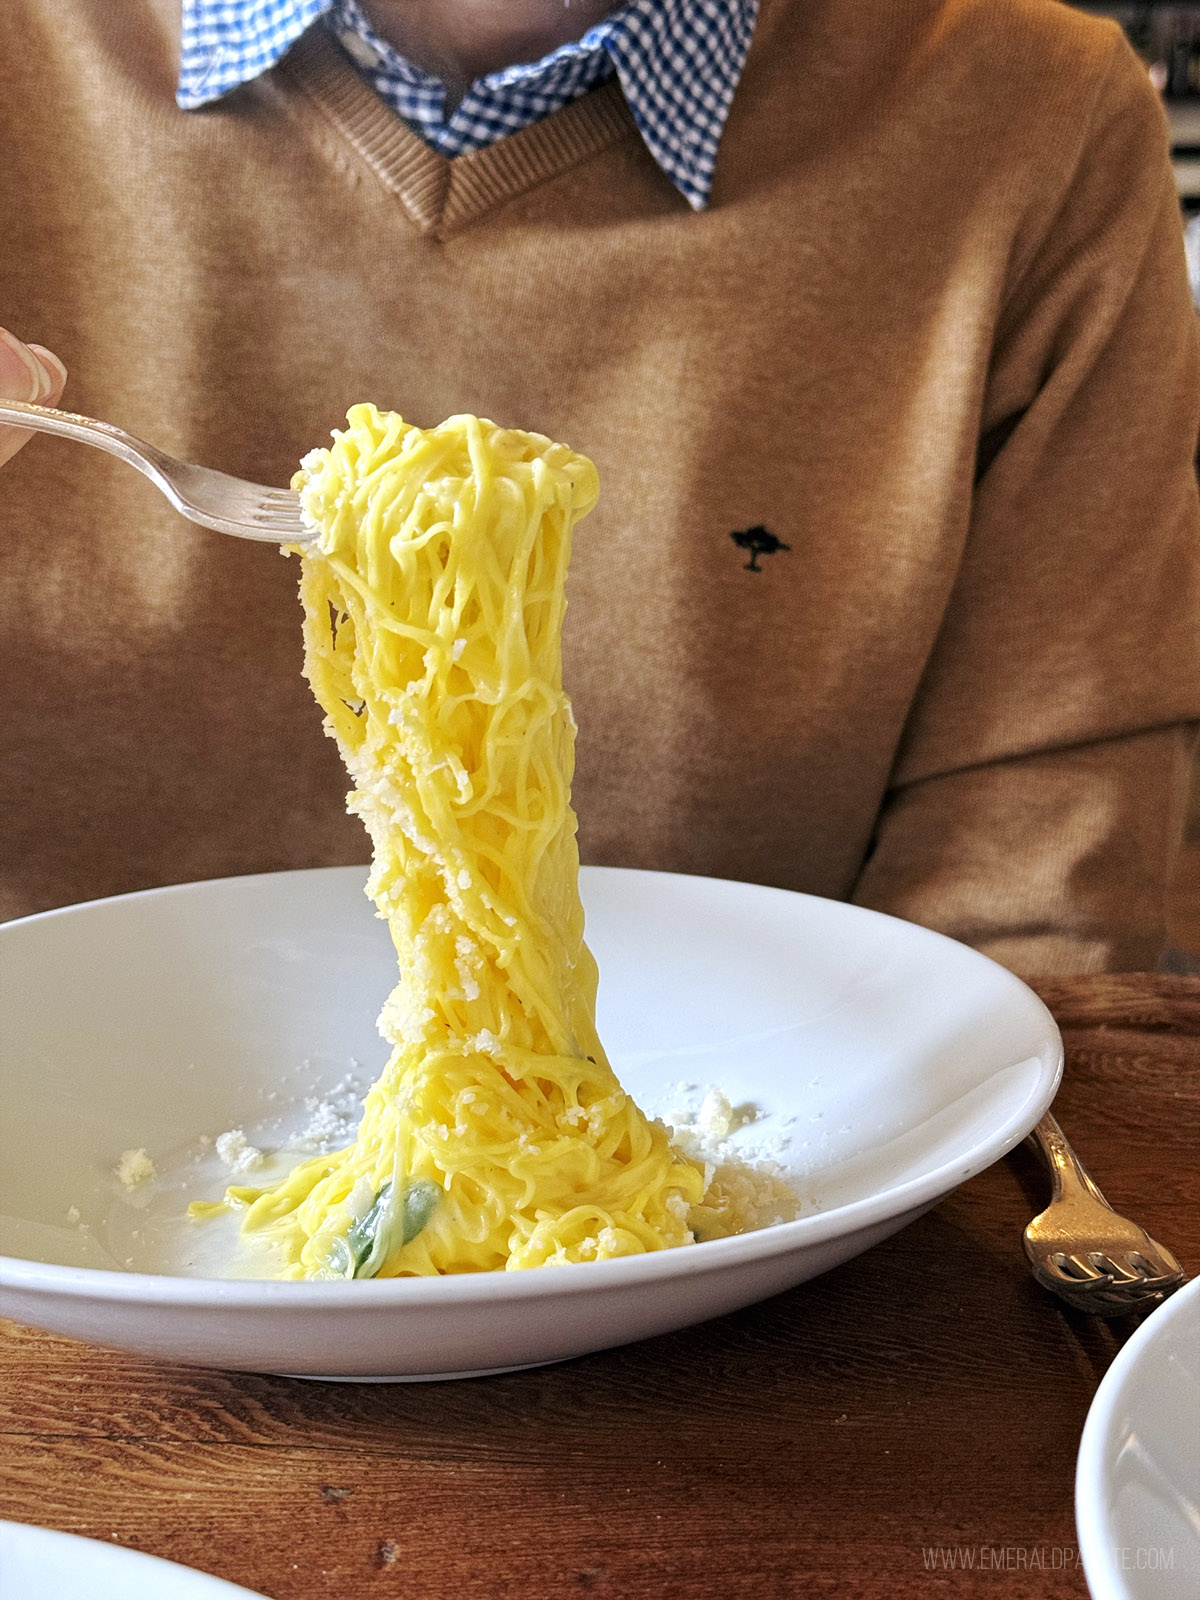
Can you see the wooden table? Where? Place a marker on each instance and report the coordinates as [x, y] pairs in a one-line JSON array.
[[868, 1434]]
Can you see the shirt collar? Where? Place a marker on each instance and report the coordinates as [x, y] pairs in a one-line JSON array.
[[678, 61], [226, 43]]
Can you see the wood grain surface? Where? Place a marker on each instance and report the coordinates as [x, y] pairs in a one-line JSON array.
[[868, 1434]]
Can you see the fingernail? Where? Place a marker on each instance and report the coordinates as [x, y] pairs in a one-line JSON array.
[[20, 372], [56, 373]]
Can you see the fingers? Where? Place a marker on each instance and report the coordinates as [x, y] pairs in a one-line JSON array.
[[27, 372], [52, 365]]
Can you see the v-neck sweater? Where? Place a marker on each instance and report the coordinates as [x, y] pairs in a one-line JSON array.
[[892, 591], [441, 195], [678, 63]]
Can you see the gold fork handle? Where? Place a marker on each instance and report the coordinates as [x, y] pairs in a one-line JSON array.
[[1069, 1177]]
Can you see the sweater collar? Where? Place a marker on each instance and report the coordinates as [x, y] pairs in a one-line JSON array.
[[678, 62]]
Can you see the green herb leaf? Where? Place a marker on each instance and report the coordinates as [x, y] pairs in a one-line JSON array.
[[363, 1235], [386, 1227], [420, 1202]]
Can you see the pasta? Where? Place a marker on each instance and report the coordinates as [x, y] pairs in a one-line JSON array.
[[498, 1135]]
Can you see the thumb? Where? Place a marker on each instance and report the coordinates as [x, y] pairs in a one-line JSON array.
[[27, 372]]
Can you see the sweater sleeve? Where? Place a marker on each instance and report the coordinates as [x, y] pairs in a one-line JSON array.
[[1037, 798]]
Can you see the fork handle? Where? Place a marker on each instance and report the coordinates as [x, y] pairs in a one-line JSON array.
[[86, 430], [1069, 1176]]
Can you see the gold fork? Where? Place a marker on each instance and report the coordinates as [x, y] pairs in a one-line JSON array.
[[1095, 1259]]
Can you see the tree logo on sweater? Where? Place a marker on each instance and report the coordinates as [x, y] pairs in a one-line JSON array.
[[760, 542]]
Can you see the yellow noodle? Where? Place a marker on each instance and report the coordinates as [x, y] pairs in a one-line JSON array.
[[498, 1134]]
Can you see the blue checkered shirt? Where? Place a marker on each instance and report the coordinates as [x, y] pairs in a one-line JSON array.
[[678, 62]]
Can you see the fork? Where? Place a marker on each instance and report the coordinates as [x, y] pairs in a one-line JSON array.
[[213, 499], [1089, 1255]]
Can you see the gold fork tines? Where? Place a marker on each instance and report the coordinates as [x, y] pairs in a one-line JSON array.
[[1092, 1257]]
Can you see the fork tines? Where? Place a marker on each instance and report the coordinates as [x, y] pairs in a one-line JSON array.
[[279, 511]]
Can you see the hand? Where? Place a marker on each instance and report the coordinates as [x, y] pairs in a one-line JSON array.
[[27, 372]]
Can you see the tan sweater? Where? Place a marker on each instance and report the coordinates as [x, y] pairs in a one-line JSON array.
[[933, 335]]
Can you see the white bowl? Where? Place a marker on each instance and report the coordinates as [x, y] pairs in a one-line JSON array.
[[1137, 1484], [907, 1062], [36, 1563]]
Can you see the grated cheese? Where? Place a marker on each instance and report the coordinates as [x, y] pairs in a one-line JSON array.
[[236, 1153], [134, 1168]]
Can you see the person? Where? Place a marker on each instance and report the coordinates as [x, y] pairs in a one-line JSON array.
[[874, 319]]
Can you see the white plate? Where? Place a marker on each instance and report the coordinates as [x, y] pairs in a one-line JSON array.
[[39, 1564], [1137, 1485], [908, 1062]]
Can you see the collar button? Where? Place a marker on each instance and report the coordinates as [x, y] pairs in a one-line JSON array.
[[358, 49]]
